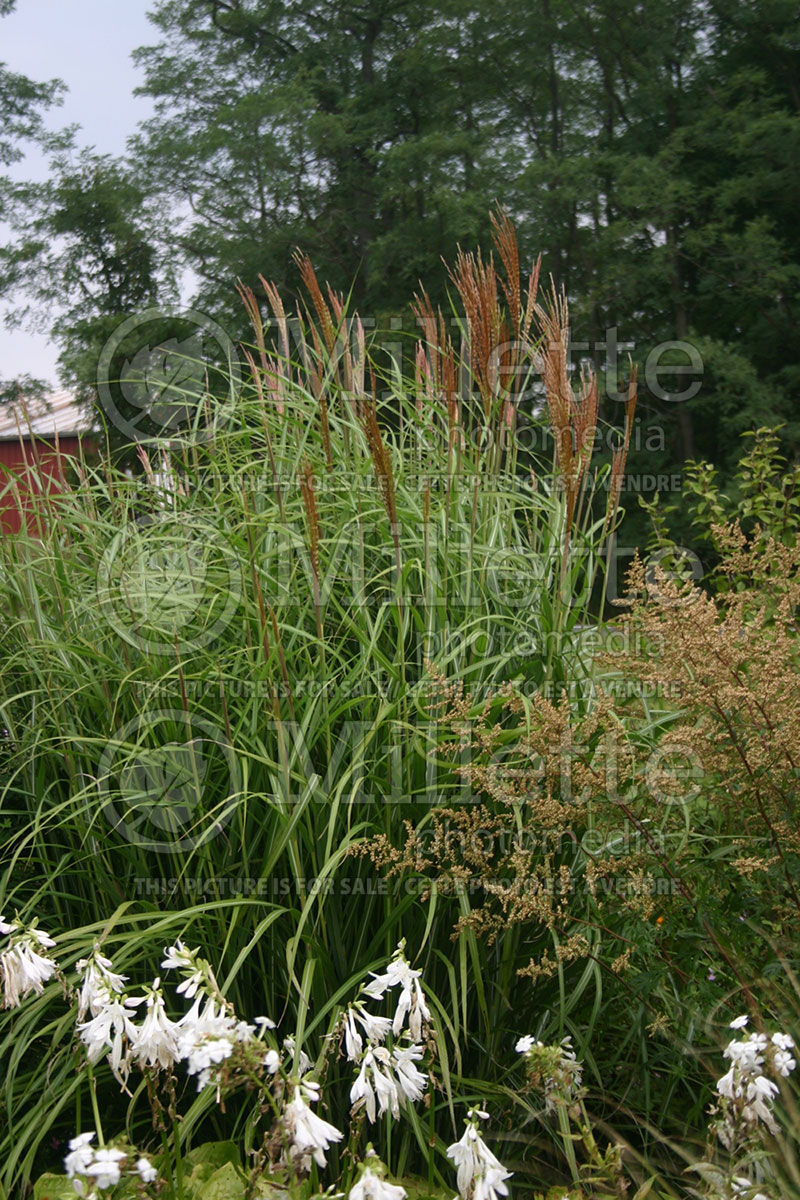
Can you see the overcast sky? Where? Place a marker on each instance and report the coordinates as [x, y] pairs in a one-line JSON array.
[[87, 44]]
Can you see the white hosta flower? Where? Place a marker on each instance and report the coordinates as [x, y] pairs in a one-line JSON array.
[[759, 1095], [466, 1156], [156, 1042], [22, 971], [747, 1055], [362, 1093], [411, 1003], [376, 1029], [784, 1063], [371, 1187], [213, 1021], [80, 1154], [480, 1175], [556, 1069], [98, 984], [180, 958], [105, 1167], [728, 1086], [146, 1171], [303, 1061], [23, 968], [7, 928], [39, 936], [412, 1081], [109, 1031], [207, 1038], [376, 1084], [353, 1041], [747, 1094], [195, 1022], [783, 1060], [309, 1135], [491, 1184], [738, 1022], [395, 974], [206, 1055], [272, 1061]]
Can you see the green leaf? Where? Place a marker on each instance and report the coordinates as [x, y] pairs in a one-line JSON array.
[[53, 1187], [213, 1154], [226, 1183]]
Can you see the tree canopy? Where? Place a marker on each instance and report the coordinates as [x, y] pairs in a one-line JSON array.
[[649, 148]]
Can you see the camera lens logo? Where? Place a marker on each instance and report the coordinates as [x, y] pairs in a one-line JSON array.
[[169, 781], [169, 580], [155, 386]]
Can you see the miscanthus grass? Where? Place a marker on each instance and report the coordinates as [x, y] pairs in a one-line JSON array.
[[215, 668], [216, 703]]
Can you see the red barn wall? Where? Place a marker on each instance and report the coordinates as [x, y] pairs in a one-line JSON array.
[[15, 457]]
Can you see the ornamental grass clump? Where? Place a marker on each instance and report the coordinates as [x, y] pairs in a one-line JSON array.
[[214, 673]]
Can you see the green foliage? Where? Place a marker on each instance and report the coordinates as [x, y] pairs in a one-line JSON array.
[[21, 102], [215, 686], [31, 389], [651, 150], [762, 495], [354, 133], [84, 254]]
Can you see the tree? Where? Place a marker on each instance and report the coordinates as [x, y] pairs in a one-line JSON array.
[[355, 130], [21, 102], [83, 255], [84, 262], [650, 149]]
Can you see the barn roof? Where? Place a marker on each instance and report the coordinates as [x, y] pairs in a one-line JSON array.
[[55, 413]]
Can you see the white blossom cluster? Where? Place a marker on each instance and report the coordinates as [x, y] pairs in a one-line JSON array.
[[202, 1038], [388, 1078], [371, 1187], [372, 1183], [92, 1167], [746, 1093], [207, 1035], [309, 1136], [25, 965], [558, 1067], [386, 1049], [480, 1175]]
